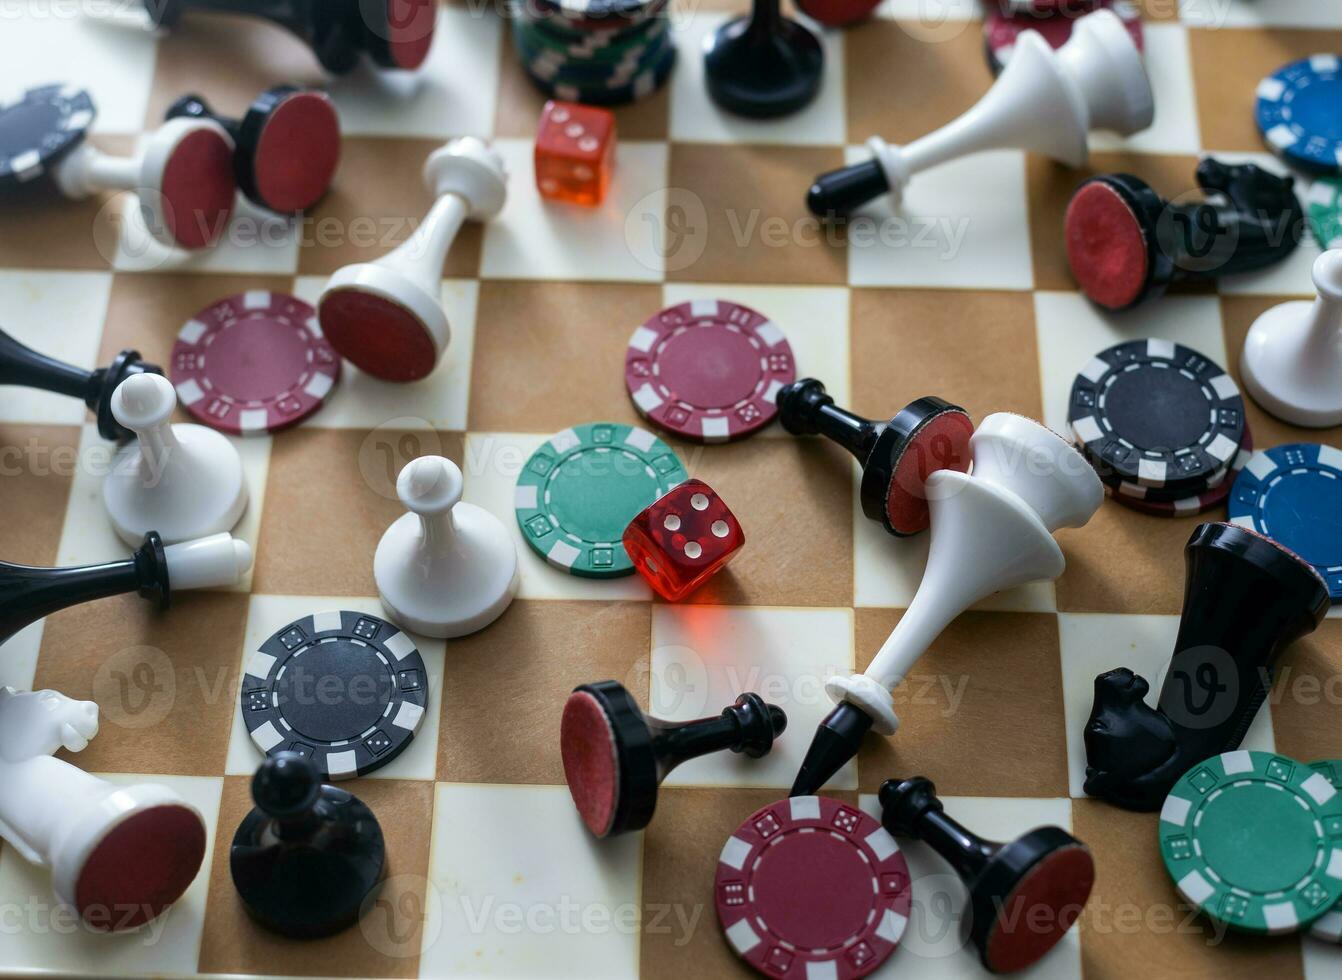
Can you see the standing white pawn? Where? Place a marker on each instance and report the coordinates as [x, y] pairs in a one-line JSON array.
[[183, 481], [387, 316], [447, 568], [1292, 362]]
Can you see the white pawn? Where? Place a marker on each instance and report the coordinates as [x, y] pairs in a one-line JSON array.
[[387, 316], [119, 854], [183, 481], [183, 176], [1292, 362], [447, 568]]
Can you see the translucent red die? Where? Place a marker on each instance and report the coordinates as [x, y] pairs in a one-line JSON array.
[[682, 539], [575, 152]]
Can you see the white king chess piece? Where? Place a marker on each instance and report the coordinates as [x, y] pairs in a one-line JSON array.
[[118, 854]]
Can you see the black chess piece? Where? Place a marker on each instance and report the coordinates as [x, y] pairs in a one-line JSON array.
[[393, 33], [1126, 244], [896, 456], [763, 65], [309, 856], [286, 146], [1246, 598], [1023, 894], [21, 365], [615, 756]]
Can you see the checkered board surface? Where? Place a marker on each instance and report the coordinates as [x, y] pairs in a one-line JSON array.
[[969, 298]]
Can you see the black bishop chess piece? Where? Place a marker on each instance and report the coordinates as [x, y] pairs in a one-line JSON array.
[[1246, 598], [308, 858], [763, 65], [1023, 894], [21, 365], [1126, 244], [393, 33], [896, 456]]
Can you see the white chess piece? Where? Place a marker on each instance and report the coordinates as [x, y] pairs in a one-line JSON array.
[[386, 316], [183, 177], [119, 854], [447, 568], [1292, 362], [182, 480], [992, 529]]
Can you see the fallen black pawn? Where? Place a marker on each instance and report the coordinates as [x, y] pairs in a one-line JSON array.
[[763, 65]]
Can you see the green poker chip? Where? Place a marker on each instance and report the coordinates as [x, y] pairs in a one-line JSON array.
[[1254, 840], [1329, 926], [1325, 211], [579, 491]]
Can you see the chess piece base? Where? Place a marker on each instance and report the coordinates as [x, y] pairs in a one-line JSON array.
[[762, 76]]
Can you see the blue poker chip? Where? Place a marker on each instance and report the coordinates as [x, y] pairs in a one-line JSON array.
[[1293, 495], [1299, 113]]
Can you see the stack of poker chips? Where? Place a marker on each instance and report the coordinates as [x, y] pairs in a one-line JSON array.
[[599, 52]]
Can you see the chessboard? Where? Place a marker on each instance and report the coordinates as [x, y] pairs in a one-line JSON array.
[[965, 293]]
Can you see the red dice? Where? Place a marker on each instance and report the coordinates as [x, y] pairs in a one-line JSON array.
[[681, 540], [575, 152]]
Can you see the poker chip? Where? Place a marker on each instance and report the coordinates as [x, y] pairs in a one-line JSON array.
[[1002, 26], [579, 491], [346, 689], [1325, 211], [1299, 113], [1156, 414], [709, 370], [1218, 488], [1254, 840], [253, 363], [812, 887], [1293, 495], [837, 13], [1328, 927], [39, 128]]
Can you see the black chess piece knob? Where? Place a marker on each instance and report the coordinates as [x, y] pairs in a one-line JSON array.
[[286, 146], [1126, 244], [763, 65], [21, 365], [1246, 599], [393, 33], [1023, 894], [615, 756], [309, 856], [896, 456]]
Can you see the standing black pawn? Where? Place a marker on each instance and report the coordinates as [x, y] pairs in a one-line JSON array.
[[764, 65], [896, 456], [286, 147], [309, 856], [1023, 895], [21, 365]]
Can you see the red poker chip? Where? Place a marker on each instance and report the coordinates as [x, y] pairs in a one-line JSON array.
[[708, 370], [253, 363], [809, 887], [1002, 27], [837, 13]]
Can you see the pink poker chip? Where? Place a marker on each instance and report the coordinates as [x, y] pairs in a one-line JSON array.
[[809, 886], [253, 363], [1001, 27], [708, 370]]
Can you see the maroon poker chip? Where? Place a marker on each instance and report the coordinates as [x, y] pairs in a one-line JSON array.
[[1001, 27], [708, 370], [810, 887], [253, 363]]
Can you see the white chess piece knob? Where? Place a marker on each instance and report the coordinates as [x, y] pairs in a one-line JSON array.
[[386, 317], [447, 568], [182, 480], [183, 176], [1292, 363], [119, 854]]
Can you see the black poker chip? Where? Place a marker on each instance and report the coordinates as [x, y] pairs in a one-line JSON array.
[[346, 689], [43, 125], [1156, 414]]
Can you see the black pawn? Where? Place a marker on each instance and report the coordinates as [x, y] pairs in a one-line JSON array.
[[1023, 894], [1245, 600], [927, 434], [21, 365], [286, 146], [309, 856], [615, 756], [764, 65]]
